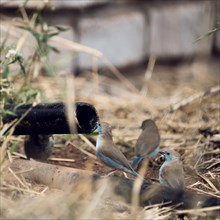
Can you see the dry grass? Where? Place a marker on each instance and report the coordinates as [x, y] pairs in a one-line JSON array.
[[183, 122]]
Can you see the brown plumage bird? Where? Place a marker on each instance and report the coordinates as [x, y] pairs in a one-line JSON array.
[[148, 143], [108, 152], [171, 173]]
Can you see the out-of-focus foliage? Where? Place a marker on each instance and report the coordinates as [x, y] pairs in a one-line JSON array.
[[209, 33]]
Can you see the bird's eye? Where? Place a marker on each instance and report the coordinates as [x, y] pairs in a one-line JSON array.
[[168, 153]]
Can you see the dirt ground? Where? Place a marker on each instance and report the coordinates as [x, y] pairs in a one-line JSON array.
[[188, 118], [125, 109]]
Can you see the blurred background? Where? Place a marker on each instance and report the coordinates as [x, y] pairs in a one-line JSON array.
[[127, 33], [164, 51]]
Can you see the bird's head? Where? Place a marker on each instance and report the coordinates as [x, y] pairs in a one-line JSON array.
[[99, 127], [169, 154], [147, 123], [104, 127]]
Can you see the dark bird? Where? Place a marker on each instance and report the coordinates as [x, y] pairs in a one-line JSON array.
[[38, 146]]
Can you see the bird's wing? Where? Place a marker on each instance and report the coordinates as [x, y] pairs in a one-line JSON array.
[[173, 174], [147, 142], [110, 150]]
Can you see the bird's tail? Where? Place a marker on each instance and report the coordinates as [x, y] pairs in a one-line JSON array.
[[136, 161], [135, 173]]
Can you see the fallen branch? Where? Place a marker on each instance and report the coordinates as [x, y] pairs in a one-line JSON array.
[[63, 177], [51, 175]]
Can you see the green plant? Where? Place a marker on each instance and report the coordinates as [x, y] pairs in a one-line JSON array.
[[14, 64], [18, 70], [209, 33]]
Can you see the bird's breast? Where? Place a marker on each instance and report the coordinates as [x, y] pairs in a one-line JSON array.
[[98, 143]]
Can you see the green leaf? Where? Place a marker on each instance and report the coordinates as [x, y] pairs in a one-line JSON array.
[[7, 112], [208, 33], [22, 68], [61, 29], [5, 72], [32, 93], [54, 49], [53, 34], [13, 148]]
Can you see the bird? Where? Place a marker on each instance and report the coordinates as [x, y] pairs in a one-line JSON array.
[[108, 152], [38, 146], [171, 173], [148, 143]]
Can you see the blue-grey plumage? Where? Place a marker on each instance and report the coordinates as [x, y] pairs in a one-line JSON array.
[[38, 146], [108, 152], [148, 143], [171, 173]]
